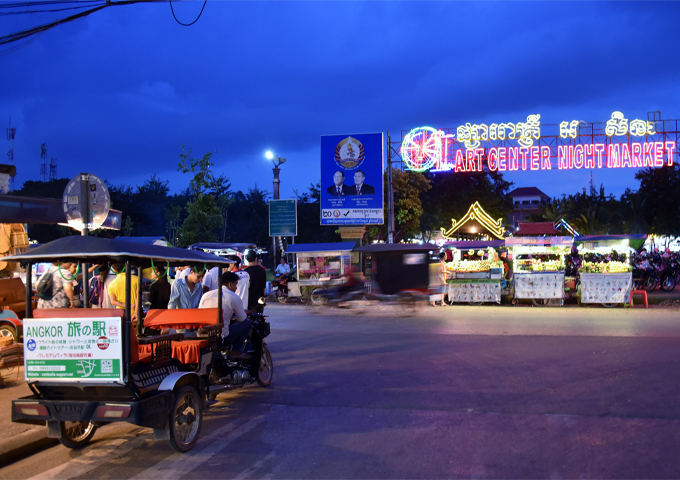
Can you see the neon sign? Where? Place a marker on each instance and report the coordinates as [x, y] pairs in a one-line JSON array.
[[512, 147], [476, 212]]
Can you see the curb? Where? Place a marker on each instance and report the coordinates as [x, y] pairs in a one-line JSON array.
[[24, 444]]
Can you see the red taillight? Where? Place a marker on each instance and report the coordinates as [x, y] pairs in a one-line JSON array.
[[113, 411], [33, 409]]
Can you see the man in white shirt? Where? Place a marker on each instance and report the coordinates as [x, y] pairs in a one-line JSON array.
[[243, 278], [283, 268], [232, 304], [210, 279]]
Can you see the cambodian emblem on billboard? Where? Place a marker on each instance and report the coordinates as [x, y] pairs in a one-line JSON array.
[[349, 153]]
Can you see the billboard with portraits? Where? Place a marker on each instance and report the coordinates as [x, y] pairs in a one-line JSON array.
[[352, 179]]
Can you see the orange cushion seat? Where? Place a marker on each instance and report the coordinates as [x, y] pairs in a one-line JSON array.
[[181, 318], [186, 351]]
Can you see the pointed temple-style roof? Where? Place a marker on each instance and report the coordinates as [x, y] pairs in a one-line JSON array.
[[475, 222]]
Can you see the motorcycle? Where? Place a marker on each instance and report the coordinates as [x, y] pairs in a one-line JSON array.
[[280, 286], [669, 277], [228, 374]]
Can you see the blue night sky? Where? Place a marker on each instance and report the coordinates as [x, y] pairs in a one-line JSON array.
[[118, 92]]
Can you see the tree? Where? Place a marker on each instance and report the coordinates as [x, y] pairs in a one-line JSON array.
[[660, 191], [308, 218], [249, 217], [408, 187], [127, 226], [203, 214], [51, 189], [589, 213], [453, 193]]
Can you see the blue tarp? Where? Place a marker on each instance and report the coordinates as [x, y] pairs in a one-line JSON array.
[[321, 247]]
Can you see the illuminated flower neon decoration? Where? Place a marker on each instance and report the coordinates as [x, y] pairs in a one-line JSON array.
[[422, 148]]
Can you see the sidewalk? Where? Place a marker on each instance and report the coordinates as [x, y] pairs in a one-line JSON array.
[[18, 439]]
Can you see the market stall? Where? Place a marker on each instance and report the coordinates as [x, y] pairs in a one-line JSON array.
[[538, 268], [605, 271], [318, 266], [474, 272]]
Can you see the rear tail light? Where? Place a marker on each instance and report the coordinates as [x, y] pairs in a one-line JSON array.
[[113, 411], [32, 408]]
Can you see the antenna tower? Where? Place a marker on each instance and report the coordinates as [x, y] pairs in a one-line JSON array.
[[11, 132], [43, 160], [53, 168]]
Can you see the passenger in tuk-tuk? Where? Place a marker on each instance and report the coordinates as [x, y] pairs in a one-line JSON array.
[[63, 295], [232, 305], [243, 278], [186, 292], [159, 292], [116, 290]]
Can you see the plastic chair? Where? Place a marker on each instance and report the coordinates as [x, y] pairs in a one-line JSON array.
[[639, 292]]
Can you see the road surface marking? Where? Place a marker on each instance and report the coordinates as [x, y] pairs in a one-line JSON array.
[[255, 466], [178, 465], [94, 458]]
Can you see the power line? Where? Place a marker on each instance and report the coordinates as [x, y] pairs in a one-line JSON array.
[[40, 29], [187, 24]]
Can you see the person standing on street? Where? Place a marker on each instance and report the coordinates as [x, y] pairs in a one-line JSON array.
[[258, 280]]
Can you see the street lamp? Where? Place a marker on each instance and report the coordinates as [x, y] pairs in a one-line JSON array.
[[277, 161]]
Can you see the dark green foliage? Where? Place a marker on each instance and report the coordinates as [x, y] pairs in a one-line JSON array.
[[453, 193]]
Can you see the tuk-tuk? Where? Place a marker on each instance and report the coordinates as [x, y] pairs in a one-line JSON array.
[[90, 366], [407, 271]]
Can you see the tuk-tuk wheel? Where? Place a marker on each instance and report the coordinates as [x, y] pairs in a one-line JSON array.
[[540, 302], [266, 371], [186, 418], [76, 434], [609, 305]]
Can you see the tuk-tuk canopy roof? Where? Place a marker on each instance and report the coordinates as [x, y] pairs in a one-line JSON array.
[[321, 247], [99, 250], [238, 247], [398, 247]]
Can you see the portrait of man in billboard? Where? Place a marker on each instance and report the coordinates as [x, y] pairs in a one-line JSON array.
[[339, 189], [360, 188]]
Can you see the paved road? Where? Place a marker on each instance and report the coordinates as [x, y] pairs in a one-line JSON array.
[[483, 392]]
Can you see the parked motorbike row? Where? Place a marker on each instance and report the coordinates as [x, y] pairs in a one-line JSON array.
[[652, 270]]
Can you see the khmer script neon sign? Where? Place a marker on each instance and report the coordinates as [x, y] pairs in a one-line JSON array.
[[426, 148]]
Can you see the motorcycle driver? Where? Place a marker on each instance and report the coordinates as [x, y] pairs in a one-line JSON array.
[[232, 305]]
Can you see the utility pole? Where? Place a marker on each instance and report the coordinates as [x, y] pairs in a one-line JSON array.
[[11, 132], [277, 161], [390, 192], [43, 162], [85, 213]]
